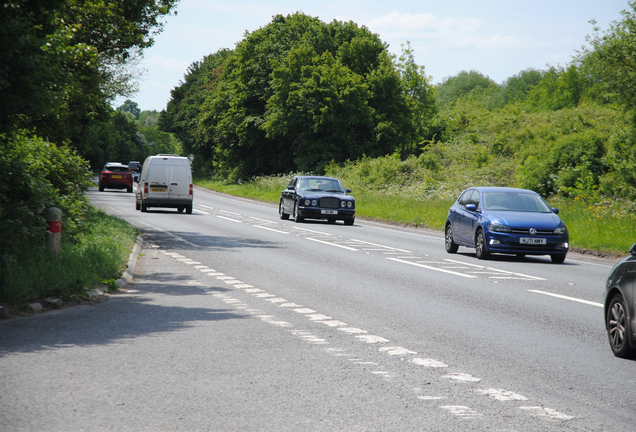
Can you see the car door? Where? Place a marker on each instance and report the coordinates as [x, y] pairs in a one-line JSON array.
[[289, 196], [470, 218], [458, 215]]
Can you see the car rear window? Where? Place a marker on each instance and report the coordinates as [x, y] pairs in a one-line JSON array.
[[117, 169]]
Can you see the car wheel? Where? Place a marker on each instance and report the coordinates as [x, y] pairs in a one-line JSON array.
[[331, 220], [480, 246], [297, 218], [451, 246], [101, 188], [188, 209], [558, 258], [617, 327], [349, 221], [281, 211], [129, 189]]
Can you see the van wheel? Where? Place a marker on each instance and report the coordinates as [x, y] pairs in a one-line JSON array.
[[180, 209], [144, 207], [137, 206], [188, 209]]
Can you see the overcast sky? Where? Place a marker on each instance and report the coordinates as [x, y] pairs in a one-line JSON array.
[[498, 38]]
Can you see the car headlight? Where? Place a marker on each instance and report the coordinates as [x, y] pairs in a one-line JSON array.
[[350, 204], [343, 204], [307, 202], [314, 202], [561, 230], [497, 227]]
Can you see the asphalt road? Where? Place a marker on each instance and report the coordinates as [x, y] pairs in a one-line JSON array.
[[237, 320]]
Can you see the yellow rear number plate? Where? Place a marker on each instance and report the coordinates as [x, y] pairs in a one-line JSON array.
[[155, 189], [116, 176]]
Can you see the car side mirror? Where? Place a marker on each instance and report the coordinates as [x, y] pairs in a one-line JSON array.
[[555, 210], [290, 188], [632, 250], [347, 190], [471, 207]]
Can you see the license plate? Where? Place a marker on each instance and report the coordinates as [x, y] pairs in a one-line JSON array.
[[157, 189], [532, 241], [116, 176], [329, 212]]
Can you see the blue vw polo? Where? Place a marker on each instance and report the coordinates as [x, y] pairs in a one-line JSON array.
[[507, 221]]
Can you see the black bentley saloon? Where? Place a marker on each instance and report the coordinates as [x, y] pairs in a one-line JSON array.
[[316, 197]]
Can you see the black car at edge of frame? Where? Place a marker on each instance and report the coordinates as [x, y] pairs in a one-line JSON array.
[[317, 197], [620, 313]]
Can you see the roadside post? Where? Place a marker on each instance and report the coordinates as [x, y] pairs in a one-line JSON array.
[[53, 229]]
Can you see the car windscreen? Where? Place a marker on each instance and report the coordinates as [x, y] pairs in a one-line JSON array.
[[513, 201], [320, 184]]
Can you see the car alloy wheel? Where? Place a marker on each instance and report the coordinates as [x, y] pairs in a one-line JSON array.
[[451, 246], [480, 245], [297, 218], [617, 327], [281, 211]]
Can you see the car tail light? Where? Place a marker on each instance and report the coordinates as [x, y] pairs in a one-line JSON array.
[[145, 187], [190, 193]]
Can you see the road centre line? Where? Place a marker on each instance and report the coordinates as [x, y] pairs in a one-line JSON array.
[[567, 298], [332, 244], [270, 229], [230, 219], [432, 268]]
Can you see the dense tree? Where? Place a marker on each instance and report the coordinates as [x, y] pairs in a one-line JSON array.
[[293, 95], [463, 84], [131, 107]]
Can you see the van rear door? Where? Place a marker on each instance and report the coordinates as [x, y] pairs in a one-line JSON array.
[[179, 187], [159, 176]]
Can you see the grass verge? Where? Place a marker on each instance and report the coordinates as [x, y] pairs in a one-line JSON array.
[[97, 254]]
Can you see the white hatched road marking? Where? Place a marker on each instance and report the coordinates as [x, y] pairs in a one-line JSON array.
[[230, 219], [331, 244], [432, 268]]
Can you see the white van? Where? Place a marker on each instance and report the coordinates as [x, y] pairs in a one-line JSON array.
[[165, 181]]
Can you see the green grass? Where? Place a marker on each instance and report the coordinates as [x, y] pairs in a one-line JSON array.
[[100, 252], [604, 228]]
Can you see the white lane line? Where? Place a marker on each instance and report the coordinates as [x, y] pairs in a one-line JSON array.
[[463, 263], [227, 218], [270, 229], [207, 207], [201, 211], [229, 212], [331, 244], [567, 298], [432, 268], [382, 246]]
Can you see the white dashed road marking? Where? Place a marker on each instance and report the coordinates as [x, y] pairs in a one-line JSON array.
[[567, 298]]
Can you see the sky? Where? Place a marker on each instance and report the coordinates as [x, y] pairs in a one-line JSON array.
[[498, 38]]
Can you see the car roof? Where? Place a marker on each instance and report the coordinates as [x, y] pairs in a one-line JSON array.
[[502, 189], [316, 177]]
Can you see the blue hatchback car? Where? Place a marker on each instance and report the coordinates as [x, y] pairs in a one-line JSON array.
[[507, 221]]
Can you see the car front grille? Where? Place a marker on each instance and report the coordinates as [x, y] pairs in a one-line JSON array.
[[527, 232], [331, 203]]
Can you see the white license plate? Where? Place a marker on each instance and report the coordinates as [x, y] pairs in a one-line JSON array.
[[329, 212], [532, 241]]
